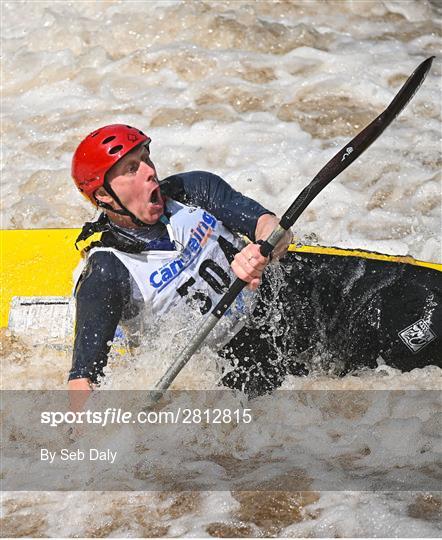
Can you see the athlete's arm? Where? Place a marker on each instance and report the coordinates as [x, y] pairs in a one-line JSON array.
[[206, 190], [100, 298], [237, 212]]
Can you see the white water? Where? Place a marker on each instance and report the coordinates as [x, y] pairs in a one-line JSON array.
[[264, 94]]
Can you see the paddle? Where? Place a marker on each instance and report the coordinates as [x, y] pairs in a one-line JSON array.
[[331, 170]]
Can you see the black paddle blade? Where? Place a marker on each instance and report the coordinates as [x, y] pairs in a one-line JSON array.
[[355, 147]]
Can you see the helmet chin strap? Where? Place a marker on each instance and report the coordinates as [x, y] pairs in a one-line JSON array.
[[124, 211]]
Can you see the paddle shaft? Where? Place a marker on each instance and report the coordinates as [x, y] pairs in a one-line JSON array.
[[331, 170]]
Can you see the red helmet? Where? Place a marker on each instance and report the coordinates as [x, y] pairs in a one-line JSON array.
[[101, 149]]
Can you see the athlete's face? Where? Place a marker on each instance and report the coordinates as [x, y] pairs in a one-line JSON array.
[[134, 180]]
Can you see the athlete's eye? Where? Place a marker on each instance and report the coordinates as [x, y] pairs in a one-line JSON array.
[[133, 167], [145, 157]]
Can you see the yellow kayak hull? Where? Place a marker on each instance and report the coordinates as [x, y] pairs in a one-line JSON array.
[[40, 262], [36, 262]]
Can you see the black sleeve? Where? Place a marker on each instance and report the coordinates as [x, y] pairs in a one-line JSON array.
[[102, 293], [209, 191]]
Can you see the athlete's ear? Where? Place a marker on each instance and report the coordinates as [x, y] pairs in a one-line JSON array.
[[102, 195]]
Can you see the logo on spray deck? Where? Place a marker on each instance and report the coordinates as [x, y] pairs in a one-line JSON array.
[[198, 238], [417, 335]]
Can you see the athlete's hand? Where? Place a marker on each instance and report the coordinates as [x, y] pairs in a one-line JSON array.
[[249, 265], [265, 225], [79, 392]]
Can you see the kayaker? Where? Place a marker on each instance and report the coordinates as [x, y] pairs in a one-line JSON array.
[[174, 246]]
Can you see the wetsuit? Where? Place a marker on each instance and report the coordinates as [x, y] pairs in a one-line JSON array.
[[107, 293], [313, 311]]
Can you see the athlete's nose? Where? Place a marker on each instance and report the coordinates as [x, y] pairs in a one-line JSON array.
[[148, 170]]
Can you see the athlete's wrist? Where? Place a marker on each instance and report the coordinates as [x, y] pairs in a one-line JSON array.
[[79, 392], [80, 384], [266, 224]]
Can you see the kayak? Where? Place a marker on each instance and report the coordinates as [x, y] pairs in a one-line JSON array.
[[36, 263], [37, 273]]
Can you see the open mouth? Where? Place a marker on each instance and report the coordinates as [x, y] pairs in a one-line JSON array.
[[155, 196]]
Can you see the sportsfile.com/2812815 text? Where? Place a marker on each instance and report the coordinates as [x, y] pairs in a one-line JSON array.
[[113, 415]]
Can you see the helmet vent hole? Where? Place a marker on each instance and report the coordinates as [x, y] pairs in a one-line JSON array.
[[95, 134], [115, 149], [108, 139]]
